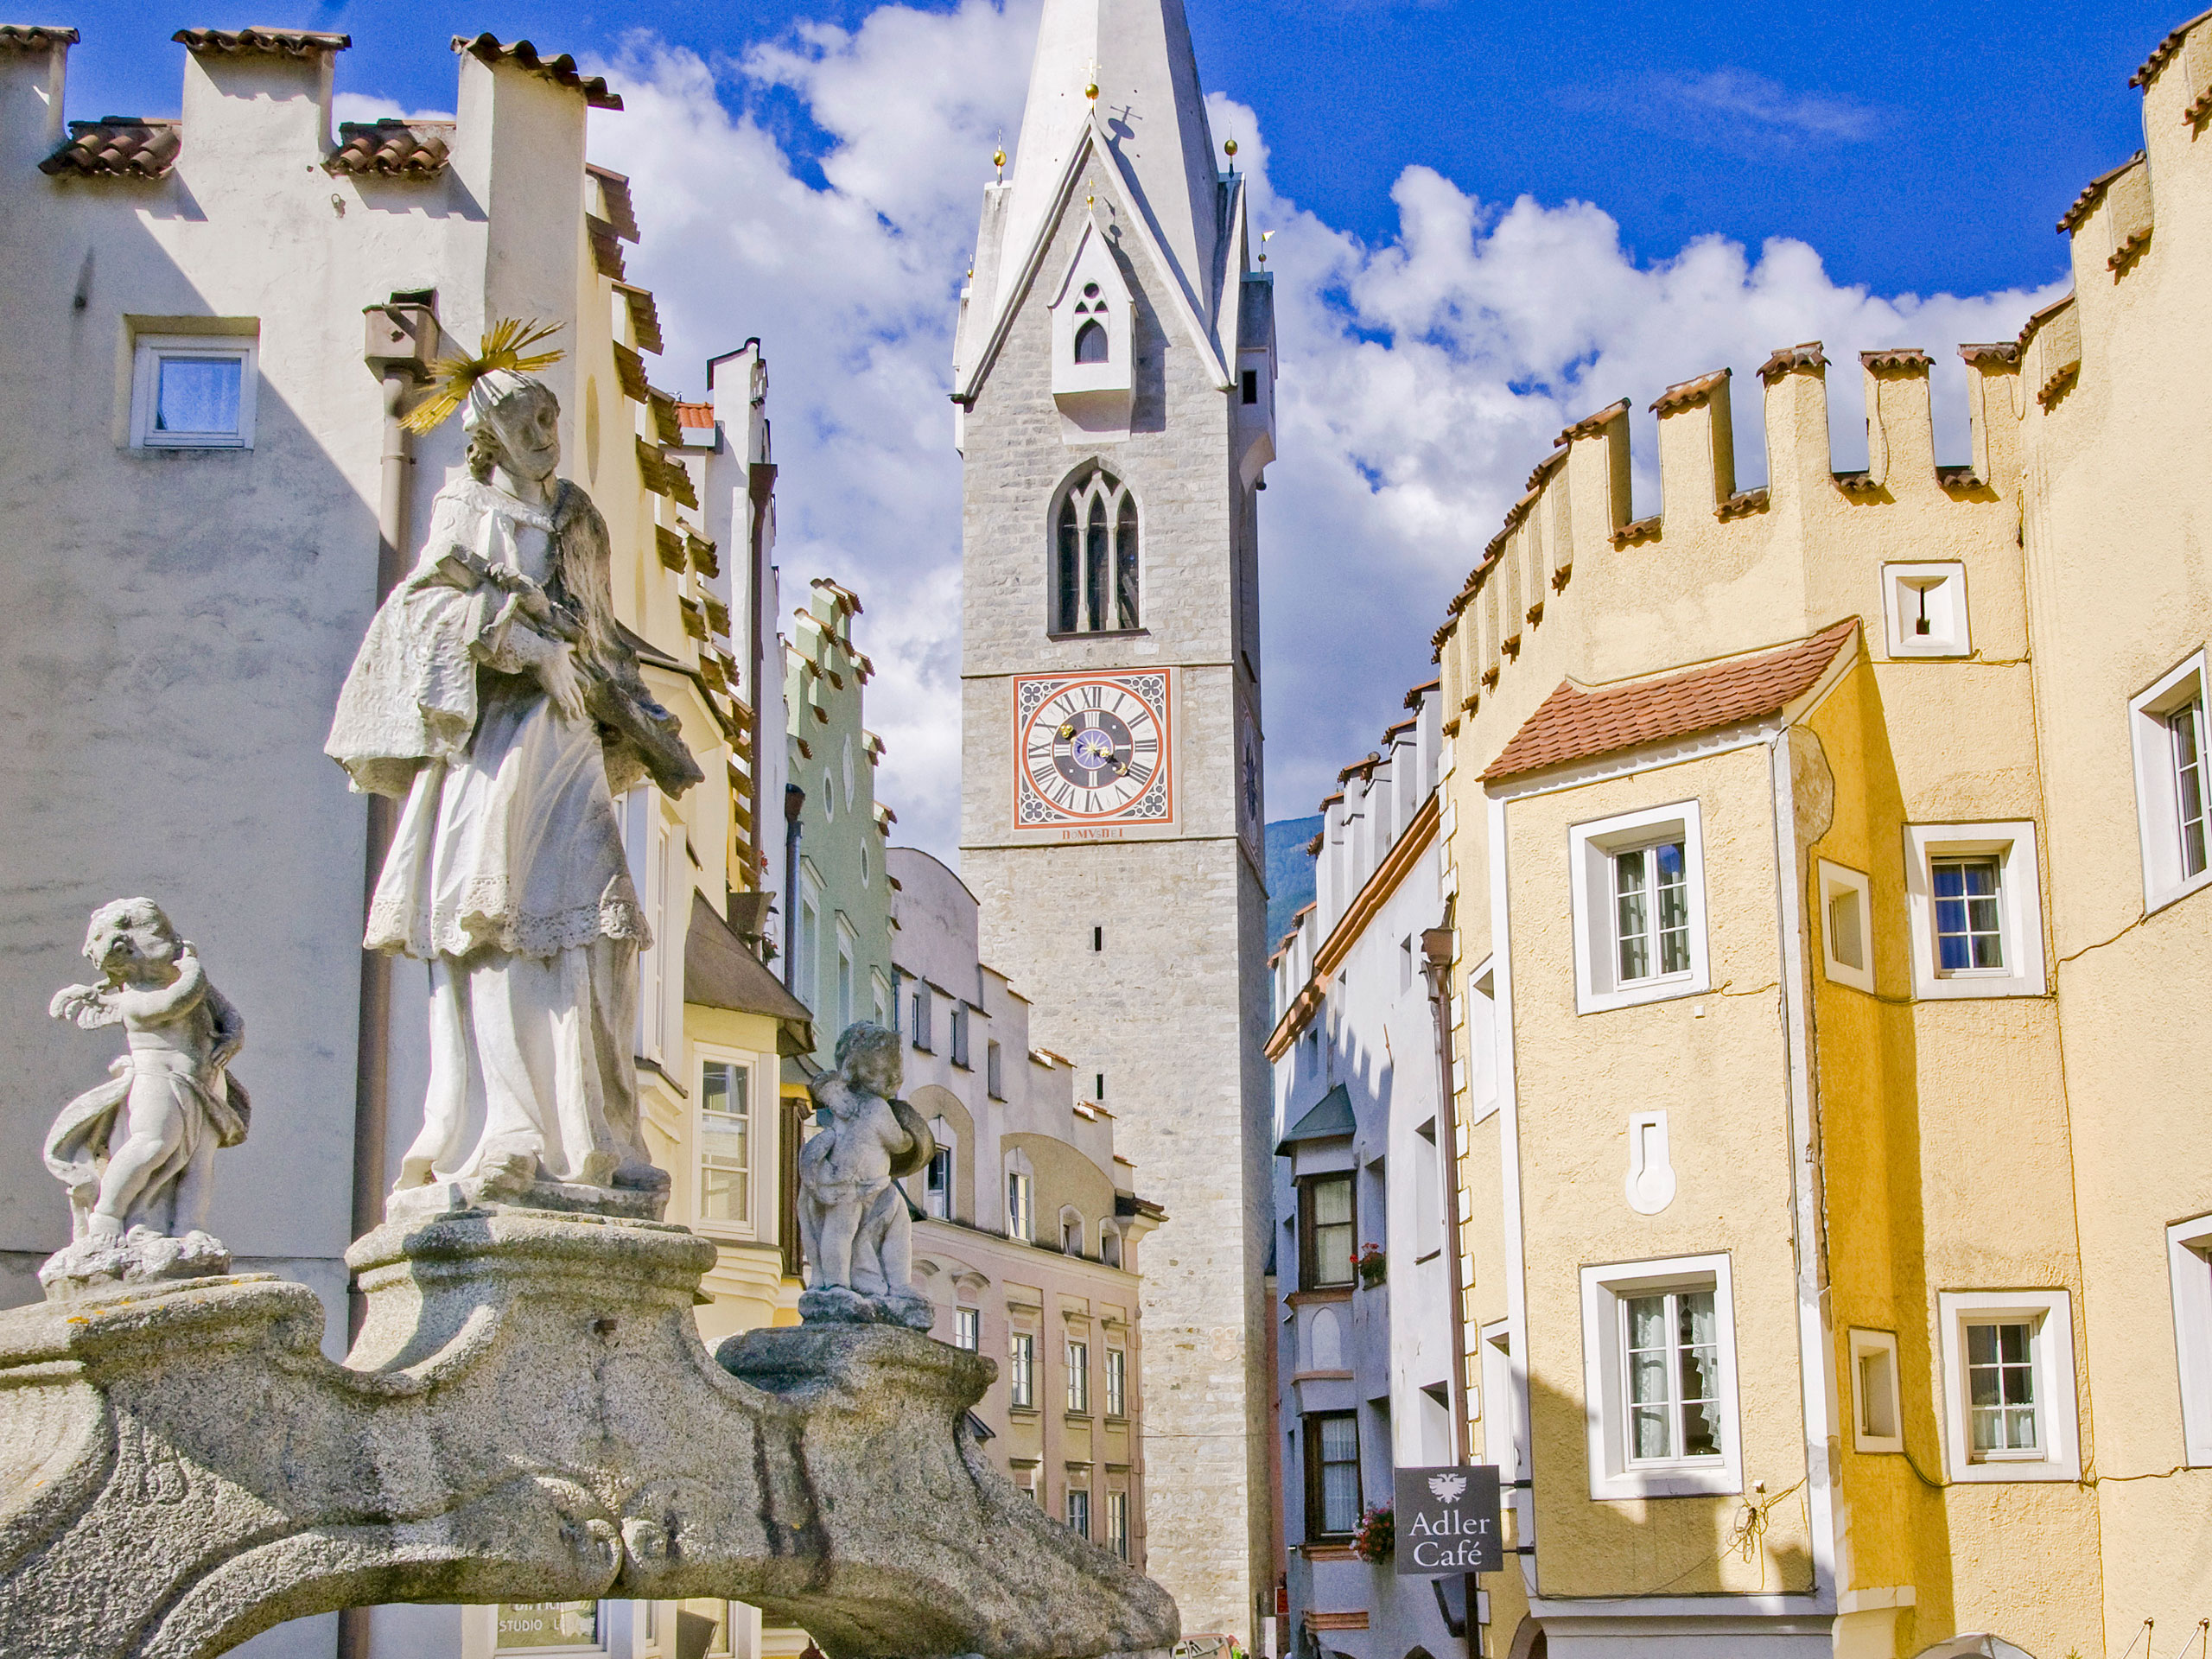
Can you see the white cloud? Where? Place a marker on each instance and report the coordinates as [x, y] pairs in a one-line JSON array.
[[359, 106], [1422, 376], [1751, 105]]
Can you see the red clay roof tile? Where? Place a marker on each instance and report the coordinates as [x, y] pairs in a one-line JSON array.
[[117, 146], [1572, 724]]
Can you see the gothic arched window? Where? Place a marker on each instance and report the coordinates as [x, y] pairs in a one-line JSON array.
[[1090, 343], [1097, 574]]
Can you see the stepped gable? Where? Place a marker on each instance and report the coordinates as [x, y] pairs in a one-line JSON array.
[[35, 37], [117, 147], [561, 71], [261, 42], [392, 147], [2163, 54], [2093, 192], [1572, 724]]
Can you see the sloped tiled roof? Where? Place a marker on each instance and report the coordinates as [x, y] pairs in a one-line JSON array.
[[393, 148], [2163, 54], [2091, 193], [1330, 1119], [645, 315], [1572, 724], [561, 71], [621, 212], [35, 37], [117, 146], [261, 42], [695, 416]]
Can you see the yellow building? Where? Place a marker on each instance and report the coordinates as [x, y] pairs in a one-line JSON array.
[[1825, 862]]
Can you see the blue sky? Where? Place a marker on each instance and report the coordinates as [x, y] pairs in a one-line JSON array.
[[1491, 220]]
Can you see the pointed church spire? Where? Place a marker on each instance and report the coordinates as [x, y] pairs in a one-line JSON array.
[[1151, 111]]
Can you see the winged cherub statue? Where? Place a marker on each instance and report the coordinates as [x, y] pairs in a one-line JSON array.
[[853, 1219]]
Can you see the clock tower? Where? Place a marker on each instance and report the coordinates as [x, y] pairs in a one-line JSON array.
[[1115, 387]]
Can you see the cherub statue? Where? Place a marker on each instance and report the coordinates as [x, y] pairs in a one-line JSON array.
[[137, 1154], [852, 1214]]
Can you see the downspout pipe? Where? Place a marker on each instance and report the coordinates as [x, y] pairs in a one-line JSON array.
[[794, 804], [1436, 964], [401, 340]]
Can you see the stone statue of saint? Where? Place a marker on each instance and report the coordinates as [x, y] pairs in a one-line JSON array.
[[852, 1213], [497, 696], [137, 1154]]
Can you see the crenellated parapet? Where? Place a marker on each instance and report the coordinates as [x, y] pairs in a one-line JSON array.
[[1720, 568]]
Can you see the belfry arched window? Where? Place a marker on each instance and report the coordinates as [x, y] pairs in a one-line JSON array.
[[1097, 572]]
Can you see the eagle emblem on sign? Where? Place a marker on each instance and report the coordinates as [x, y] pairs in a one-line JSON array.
[[1447, 1487]]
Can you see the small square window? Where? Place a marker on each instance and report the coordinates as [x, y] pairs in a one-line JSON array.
[[1875, 1409], [1847, 927], [192, 391], [1976, 909], [2167, 726], [1926, 605], [1639, 906], [2008, 1384]]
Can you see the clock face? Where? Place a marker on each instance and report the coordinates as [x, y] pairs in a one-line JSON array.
[[1092, 749]]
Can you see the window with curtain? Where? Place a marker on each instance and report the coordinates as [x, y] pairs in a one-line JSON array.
[[2001, 1390], [1332, 1475], [1097, 566], [1651, 910], [1671, 1346], [1326, 1230], [725, 1142]]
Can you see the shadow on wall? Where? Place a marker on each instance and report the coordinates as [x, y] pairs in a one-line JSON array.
[[171, 691]]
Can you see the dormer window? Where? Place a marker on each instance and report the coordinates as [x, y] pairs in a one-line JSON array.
[[1096, 572], [1092, 319]]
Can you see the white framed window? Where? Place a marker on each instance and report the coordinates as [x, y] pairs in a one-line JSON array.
[[2188, 1255], [846, 945], [192, 391], [1078, 1358], [1070, 1231], [937, 1189], [2008, 1385], [1021, 1370], [968, 1329], [1117, 1524], [727, 1154], [1020, 1196], [1847, 927], [1877, 1422], [884, 1001], [1659, 1347], [1926, 608], [1117, 1382], [807, 970], [1976, 904], [1638, 892], [2166, 725], [1079, 1511]]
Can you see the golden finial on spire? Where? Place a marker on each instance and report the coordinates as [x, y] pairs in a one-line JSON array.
[[1229, 148], [998, 155], [1091, 82], [1265, 237]]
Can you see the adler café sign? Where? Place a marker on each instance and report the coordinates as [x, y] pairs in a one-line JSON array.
[[1447, 1522]]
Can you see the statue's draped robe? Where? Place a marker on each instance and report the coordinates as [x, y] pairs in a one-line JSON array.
[[507, 874]]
